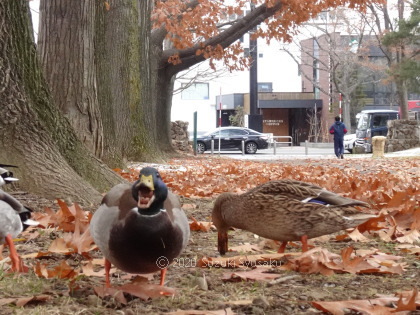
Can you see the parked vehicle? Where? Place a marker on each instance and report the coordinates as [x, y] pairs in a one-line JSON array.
[[231, 139], [372, 123], [349, 141]]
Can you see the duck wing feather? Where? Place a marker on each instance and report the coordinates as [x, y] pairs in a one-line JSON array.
[[303, 192]]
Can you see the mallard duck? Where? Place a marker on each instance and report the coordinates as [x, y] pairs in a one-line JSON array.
[[140, 228], [14, 218], [286, 210]]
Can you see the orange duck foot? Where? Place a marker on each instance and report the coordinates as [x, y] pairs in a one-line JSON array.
[[303, 239], [17, 263], [162, 276]]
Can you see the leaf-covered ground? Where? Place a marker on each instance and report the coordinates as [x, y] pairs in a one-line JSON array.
[[374, 269]]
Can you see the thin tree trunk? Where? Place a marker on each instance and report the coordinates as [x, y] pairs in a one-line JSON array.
[[346, 113], [66, 49], [33, 134], [163, 99], [402, 98]]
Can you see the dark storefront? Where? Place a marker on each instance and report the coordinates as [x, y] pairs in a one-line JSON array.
[[281, 116]]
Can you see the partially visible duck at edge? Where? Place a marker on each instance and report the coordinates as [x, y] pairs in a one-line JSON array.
[[140, 228], [286, 210], [14, 218]]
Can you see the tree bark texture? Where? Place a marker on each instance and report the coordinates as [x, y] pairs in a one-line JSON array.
[[123, 82], [66, 50], [33, 134]]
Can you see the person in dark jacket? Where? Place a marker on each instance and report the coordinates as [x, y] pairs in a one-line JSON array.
[[338, 129]]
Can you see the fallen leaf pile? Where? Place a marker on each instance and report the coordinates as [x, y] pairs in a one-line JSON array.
[[404, 301], [391, 193]]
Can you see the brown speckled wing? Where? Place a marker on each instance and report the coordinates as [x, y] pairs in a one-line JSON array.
[[120, 196], [171, 202], [287, 188], [292, 189]]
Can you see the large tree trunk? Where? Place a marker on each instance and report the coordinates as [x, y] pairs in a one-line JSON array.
[[33, 134], [66, 49], [123, 74]]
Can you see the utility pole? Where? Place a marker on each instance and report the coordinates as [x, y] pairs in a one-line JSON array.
[[254, 119]]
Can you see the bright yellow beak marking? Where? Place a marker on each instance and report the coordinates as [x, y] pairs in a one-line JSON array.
[[148, 181]]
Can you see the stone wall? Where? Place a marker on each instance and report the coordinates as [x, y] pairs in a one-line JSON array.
[[402, 135], [180, 136]]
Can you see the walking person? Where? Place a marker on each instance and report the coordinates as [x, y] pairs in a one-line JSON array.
[[338, 129]]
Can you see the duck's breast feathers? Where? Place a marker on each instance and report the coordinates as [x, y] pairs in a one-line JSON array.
[[304, 192], [137, 242], [10, 222]]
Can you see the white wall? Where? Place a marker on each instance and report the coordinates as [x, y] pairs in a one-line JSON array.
[[274, 66]]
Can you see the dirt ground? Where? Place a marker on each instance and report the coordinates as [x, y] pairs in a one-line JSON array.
[[201, 289]]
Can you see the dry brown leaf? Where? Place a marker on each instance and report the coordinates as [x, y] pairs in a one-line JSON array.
[[37, 298], [22, 301], [412, 301], [269, 244], [408, 248], [410, 237], [114, 292], [147, 291], [256, 274], [406, 301], [319, 260], [355, 235], [364, 306], [79, 242], [247, 247], [88, 270], [200, 226], [62, 271], [312, 261], [59, 246], [5, 301], [226, 311], [138, 287]]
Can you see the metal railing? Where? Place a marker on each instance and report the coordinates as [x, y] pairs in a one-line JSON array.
[[275, 142]]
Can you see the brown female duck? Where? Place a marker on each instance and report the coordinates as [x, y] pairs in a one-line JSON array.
[[140, 228], [286, 210]]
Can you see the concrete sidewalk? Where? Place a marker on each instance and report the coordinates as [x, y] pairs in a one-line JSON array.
[[299, 152]]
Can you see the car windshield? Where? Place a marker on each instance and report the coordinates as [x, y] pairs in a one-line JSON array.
[[363, 122]]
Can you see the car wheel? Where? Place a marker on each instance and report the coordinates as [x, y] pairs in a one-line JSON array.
[[250, 147], [350, 150], [201, 147]]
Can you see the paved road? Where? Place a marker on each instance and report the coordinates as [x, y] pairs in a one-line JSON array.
[[299, 152]]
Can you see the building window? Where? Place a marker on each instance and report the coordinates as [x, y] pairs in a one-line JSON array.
[[196, 91]]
